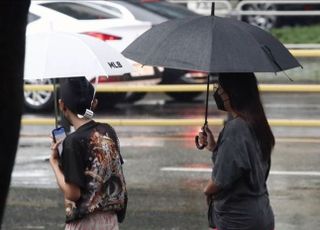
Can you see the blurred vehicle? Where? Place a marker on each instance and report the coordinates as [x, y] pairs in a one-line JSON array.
[[81, 17], [268, 22], [155, 12]]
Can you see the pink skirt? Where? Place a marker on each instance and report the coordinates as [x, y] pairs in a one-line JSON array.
[[95, 221]]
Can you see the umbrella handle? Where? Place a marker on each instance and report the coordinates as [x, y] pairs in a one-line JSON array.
[[199, 146], [196, 139]]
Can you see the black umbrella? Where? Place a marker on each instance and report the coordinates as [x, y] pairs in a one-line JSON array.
[[211, 44]]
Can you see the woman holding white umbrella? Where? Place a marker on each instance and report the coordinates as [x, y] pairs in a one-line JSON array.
[[52, 55], [88, 168]]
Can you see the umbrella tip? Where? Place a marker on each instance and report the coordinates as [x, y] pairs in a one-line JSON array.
[[290, 79]]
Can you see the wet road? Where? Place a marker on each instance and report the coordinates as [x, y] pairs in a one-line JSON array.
[[166, 174]]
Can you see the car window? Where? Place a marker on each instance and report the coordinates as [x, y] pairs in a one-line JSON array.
[[78, 11], [111, 9], [163, 8], [32, 17], [139, 13]]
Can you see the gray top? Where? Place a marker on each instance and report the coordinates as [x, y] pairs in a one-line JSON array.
[[240, 173]]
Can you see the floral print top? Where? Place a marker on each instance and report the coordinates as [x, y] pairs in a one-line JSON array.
[[91, 159]]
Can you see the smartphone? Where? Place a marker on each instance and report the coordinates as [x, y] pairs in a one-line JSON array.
[[58, 134]]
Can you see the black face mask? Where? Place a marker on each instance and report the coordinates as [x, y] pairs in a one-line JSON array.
[[219, 101]]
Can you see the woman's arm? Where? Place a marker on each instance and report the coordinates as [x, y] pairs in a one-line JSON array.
[[210, 190], [71, 192]]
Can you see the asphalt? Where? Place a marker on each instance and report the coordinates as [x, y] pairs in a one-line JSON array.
[[162, 199], [152, 208]]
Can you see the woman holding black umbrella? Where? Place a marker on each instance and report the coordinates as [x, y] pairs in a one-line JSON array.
[[237, 192]]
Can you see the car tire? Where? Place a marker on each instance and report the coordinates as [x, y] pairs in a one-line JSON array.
[[38, 101], [109, 100], [172, 76], [266, 22]]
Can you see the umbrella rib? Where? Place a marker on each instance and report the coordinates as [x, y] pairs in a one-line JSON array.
[[257, 42], [175, 29], [90, 50]]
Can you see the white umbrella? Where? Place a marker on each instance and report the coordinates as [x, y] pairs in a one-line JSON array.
[[60, 55], [57, 55]]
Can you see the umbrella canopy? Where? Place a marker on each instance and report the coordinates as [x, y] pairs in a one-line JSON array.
[[61, 55], [211, 44], [57, 55]]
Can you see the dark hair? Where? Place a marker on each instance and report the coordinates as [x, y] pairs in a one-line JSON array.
[[242, 89], [77, 94]]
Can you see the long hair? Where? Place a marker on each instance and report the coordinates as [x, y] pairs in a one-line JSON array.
[[242, 89]]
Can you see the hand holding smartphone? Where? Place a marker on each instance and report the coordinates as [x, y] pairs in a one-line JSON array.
[[58, 134]]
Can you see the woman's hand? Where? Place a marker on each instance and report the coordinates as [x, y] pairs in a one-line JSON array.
[[210, 190], [206, 138], [54, 157]]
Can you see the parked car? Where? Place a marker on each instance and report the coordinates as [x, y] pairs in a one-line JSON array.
[[270, 21], [266, 22], [81, 17], [155, 12]]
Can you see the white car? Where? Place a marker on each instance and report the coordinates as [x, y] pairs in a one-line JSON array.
[[155, 12], [83, 17]]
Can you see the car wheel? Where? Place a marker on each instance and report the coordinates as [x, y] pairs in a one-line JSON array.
[[38, 101], [265, 22], [172, 76], [109, 100]]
